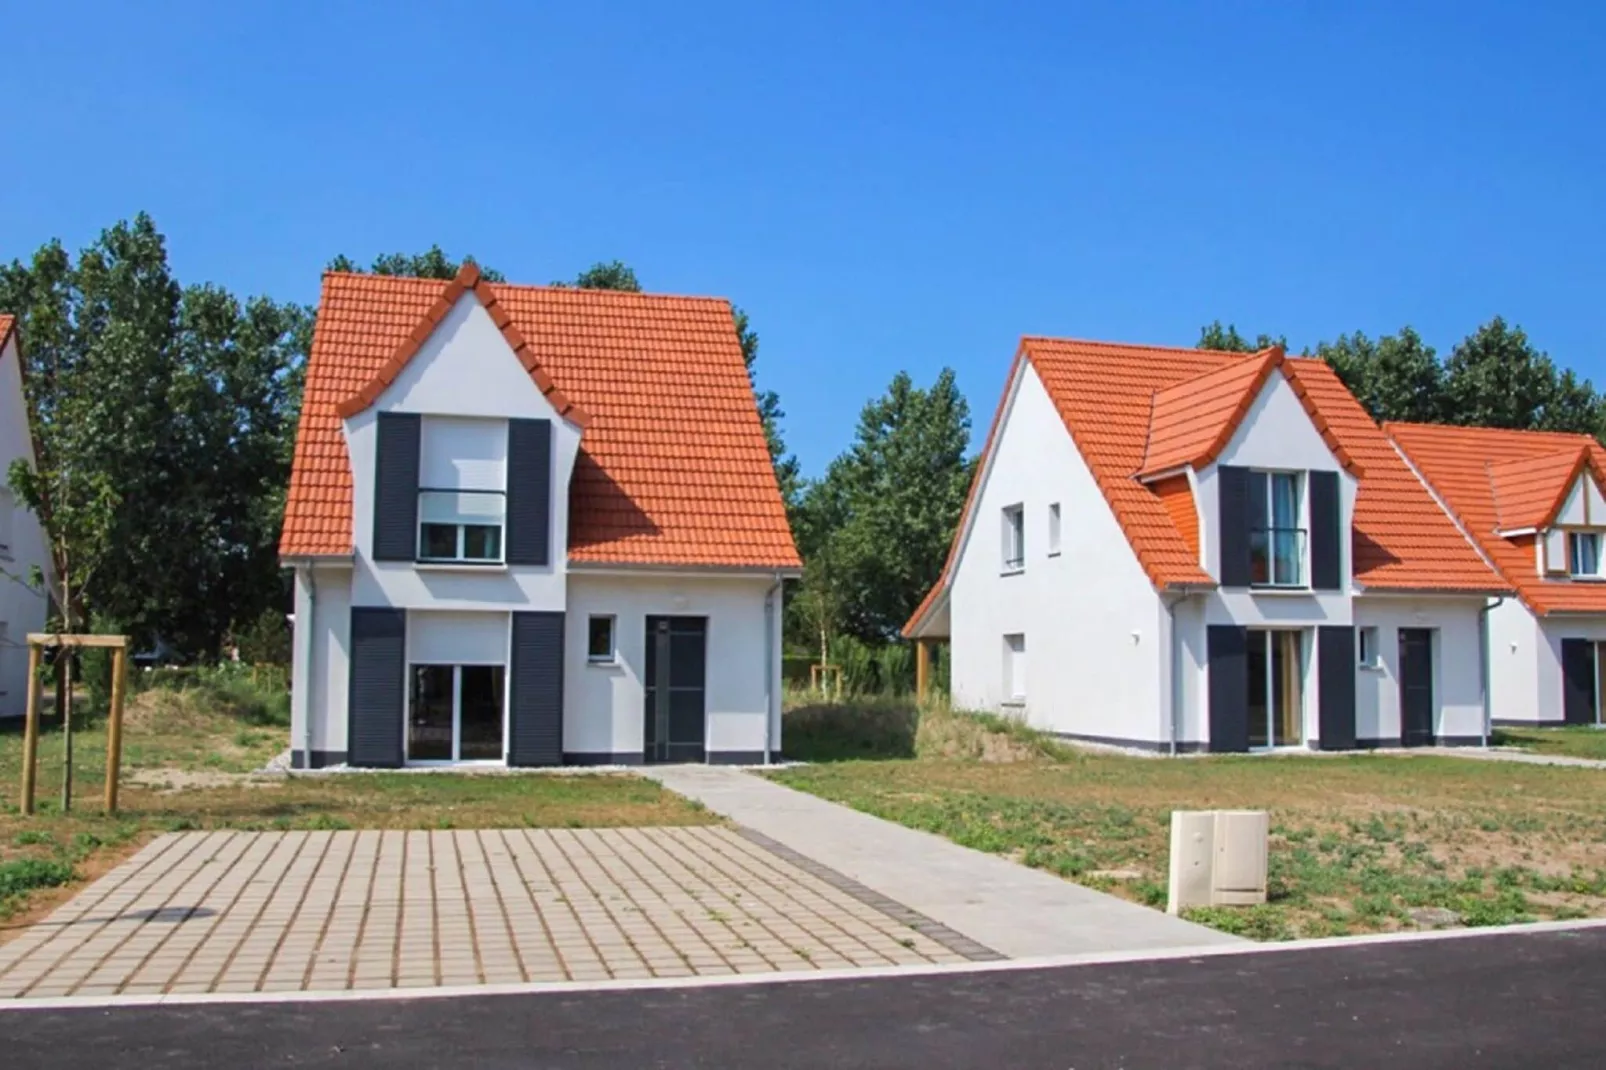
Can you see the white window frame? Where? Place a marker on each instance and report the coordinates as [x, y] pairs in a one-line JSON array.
[[1265, 480], [1367, 651], [1053, 529], [1015, 668], [612, 655], [1013, 538], [1574, 539], [457, 713], [462, 523]]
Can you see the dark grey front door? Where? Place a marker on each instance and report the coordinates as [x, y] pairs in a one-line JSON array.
[[677, 671], [1416, 687]]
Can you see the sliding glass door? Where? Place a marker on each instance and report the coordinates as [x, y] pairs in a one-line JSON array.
[[1276, 689], [456, 713]]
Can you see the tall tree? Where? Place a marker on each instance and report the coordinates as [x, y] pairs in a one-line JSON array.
[[163, 418], [886, 510], [1496, 378], [1397, 377], [1227, 338], [606, 275]]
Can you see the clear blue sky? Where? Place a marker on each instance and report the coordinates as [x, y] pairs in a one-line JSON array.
[[882, 185]]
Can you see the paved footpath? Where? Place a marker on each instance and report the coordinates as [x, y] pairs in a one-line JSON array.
[[1497, 1002], [1016, 911], [242, 912], [1498, 755]]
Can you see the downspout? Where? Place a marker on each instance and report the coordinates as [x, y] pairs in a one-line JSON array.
[[771, 699], [1485, 669]]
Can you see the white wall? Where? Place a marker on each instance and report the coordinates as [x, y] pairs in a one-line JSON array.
[[1095, 652], [1551, 631], [1516, 646], [465, 369], [1584, 506], [329, 666], [603, 705], [22, 608], [1457, 695]]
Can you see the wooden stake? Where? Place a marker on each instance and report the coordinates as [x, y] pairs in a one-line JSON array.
[[114, 728], [66, 739], [30, 737], [922, 668]]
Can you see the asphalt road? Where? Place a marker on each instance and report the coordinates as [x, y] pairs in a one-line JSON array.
[[1531, 1001]]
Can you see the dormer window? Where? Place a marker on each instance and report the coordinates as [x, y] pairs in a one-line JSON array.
[[1277, 543], [461, 525], [1583, 554]]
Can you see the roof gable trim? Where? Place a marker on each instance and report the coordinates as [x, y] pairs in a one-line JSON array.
[[469, 281]]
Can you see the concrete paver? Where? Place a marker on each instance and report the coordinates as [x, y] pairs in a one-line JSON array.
[[234, 911], [1015, 911]]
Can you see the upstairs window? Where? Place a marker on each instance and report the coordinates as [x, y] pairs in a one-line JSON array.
[[1583, 554], [1054, 529], [1277, 538], [462, 507], [1014, 538], [461, 526]]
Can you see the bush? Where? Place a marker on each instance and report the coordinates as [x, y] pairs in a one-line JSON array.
[[266, 640], [25, 874], [254, 694]]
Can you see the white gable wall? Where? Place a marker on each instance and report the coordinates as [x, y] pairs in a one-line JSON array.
[[1095, 652], [465, 369], [1584, 506], [22, 608]]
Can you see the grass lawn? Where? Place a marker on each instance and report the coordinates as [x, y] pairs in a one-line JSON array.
[[1579, 741], [186, 761], [1358, 841]]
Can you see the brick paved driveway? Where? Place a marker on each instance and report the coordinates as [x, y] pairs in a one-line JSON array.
[[318, 911]]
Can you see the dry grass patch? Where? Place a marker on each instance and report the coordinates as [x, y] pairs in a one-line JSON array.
[[1359, 842]]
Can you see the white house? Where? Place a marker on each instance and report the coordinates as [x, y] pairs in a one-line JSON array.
[[531, 526], [23, 607], [1177, 550], [1532, 503]]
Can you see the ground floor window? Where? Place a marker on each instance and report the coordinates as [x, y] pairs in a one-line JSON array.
[[1276, 689], [456, 713]]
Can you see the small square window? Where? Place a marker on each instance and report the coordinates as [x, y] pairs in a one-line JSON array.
[[1053, 529], [1366, 644], [482, 543], [440, 541], [599, 639], [1584, 553]]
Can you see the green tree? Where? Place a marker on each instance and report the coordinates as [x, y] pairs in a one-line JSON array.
[[608, 275], [163, 417], [1397, 377], [885, 512], [1227, 338], [433, 263], [1496, 378]]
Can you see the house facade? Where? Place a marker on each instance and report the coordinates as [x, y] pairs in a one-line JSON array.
[[1533, 504], [23, 608], [1181, 550], [531, 526]]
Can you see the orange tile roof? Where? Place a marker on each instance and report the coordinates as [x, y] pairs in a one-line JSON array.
[[1106, 394], [1530, 491], [673, 468], [6, 323], [1458, 463]]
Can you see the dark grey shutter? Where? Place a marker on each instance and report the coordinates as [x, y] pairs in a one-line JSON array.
[[536, 716], [396, 487], [1228, 651], [378, 675], [1336, 665], [1233, 499], [1577, 681], [1326, 533], [529, 492]]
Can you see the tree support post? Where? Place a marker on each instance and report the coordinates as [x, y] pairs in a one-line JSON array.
[[922, 668], [114, 727], [30, 734]]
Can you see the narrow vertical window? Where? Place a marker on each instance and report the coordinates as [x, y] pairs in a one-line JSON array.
[[1053, 529], [1014, 538]]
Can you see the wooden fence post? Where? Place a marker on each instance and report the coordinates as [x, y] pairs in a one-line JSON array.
[[114, 727]]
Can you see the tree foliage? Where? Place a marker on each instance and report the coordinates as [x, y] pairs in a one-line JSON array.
[[433, 263], [163, 417], [1227, 338], [1495, 377], [876, 529]]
